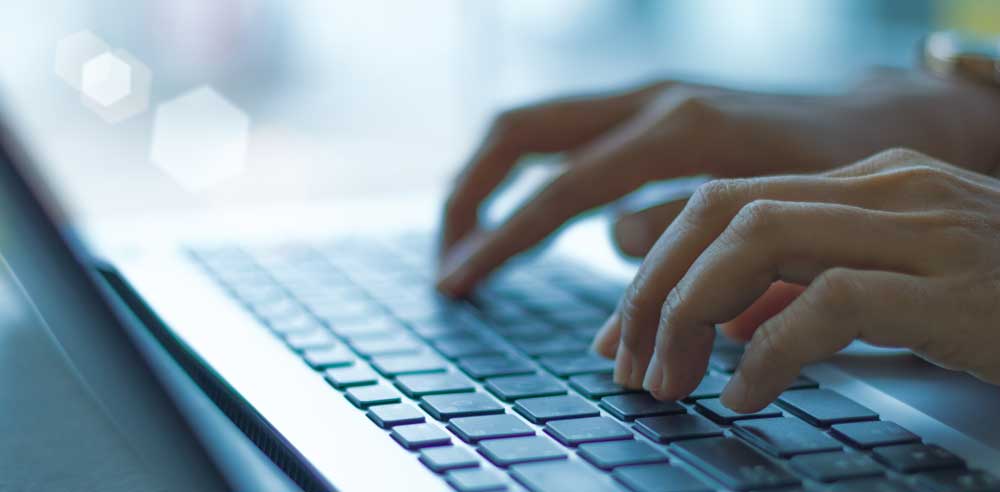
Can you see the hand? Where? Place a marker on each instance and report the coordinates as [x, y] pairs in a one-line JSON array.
[[614, 144], [899, 250]]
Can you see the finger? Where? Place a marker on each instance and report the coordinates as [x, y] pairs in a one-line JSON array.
[[547, 127], [778, 296], [635, 233], [706, 215], [771, 240], [606, 340], [842, 305]]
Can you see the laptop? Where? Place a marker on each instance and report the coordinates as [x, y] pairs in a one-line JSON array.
[[318, 334]]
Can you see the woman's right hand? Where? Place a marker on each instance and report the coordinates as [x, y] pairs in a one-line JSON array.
[[616, 143]]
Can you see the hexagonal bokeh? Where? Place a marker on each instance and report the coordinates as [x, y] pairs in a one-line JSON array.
[[116, 86], [75, 50], [107, 79], [200, 139]]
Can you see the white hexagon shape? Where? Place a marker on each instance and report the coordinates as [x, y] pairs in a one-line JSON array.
[[200, 139], [135, 101], [73, 51], [107, 79]]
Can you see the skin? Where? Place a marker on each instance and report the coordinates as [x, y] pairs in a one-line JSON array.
[[794, 251]]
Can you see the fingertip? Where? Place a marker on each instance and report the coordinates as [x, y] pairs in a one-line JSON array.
[[606, 341]]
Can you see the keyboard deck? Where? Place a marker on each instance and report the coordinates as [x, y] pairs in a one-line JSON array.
[[501, 392]]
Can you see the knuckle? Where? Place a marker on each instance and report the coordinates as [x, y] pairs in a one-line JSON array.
[[505, 126], [928, 182], [901, 155], [716, 196], [834, 292], [756, 218]]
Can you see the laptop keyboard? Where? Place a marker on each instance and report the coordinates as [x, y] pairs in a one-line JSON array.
[[500, 392]]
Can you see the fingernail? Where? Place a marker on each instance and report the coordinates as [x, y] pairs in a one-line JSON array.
[[603, 343], [656, 377], [736, 393], [623, 366]]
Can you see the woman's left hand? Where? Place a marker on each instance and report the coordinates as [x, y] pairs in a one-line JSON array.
[[898, 250]]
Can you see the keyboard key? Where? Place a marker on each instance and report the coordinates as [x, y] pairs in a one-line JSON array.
[[597, 386], [550, 345], [474, 429], [396, 365], [659, 478], [506, 452], [872, 485], [373, 327], [442, 459], [420, 385], [444, 407], [573, 432], [565, 366], [784, 437], [544, 409], [510, 388], [386, 416], [609, 455], [823, 408], [324, 358], [490, 366], [720, 414], [910, 458], [710, 387], [311, 339], [958, 481], [434, 330], [345, 377], [670, 428], [367, 396], [635, 405], [734, 463], [562, 476], [295, 324], [476, 480], [416, 436], [371, 346], [832, 467], [803, 382], [454, 347], [867, 435]]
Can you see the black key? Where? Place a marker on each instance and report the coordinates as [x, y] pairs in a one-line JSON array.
[[506, 452], [803, 382], [489, 366], [568, 365], [371, 346], [324, 358], [715, 410], [396, 365], [562, 476], [573, 432], [635, 405], [958, 481], [659, 477], [609, 455], [367, 396], [311, 339], [544, 409], [474, 429], [734, 463], [823, 408], [872, 485], [596, 386], [910, 458], [510, 388], [345, 377], [710, 387], [476, 480], [669, 428], [442, 459], [784, 437], [832, 467], [416, 436], [550, 345], [444, 407], [386, 416], [867, 435], [725, 360], [420, 385], [454, 347]]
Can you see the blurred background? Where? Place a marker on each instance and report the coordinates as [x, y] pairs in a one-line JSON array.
[[387, 97]]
